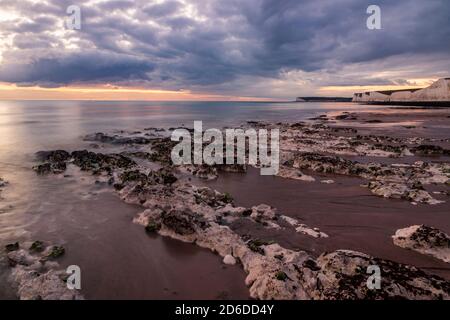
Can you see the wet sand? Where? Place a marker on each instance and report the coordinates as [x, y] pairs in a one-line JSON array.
[[353, 217], [118, 260]]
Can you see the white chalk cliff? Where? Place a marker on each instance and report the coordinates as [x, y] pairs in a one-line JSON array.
[[438, 91]]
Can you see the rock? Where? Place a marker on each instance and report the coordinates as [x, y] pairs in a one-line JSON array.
[[203, 171], [54, 161], [229, 259], [255, 246], [265, 215], [321, 149], [280, 275], [303, 228], [430, 150], [343, 275], [161, 150], [327, 164], [275, 272], [183, 222], [36, 278], [345, 117], [12, 247], [424, 239], [37, 246], [212, 198], [263, 212], [98, 162], [53, 156], [154, 129], [315, 232], [162, 176], [293, 173], [401, 191], [50, 167], [56, 252], [196, 215], [152, 227], [44, 168], [133, 176], [3, 183], [88, 161]]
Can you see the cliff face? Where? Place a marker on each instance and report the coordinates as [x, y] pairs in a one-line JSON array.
[[437, 92]]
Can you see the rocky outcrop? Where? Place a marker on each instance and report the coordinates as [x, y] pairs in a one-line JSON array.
[[318, 148], [53, 156], [98, 162], [3, 183], [305, 148], [424, 239], [303, 228], [389, 181], [430, 150], [344, 275], [175, 208], [36, 274], [56, 161], [53, 161], [199, 215], [414, 194]]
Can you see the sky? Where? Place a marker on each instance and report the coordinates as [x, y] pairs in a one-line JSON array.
[[219, 49]]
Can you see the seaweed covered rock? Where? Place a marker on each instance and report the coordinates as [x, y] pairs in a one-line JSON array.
[[188, 213], [343, 274], [183, 221], [12, 247], [212, 197], [50, 167], [204, 171], [161, 150], [401, 191], [327, 164], [38, 278], [266, 215], [54, 161], [424, 239], [162, 176], [98, 162], [430, 150], [53, 156], [37, 246]]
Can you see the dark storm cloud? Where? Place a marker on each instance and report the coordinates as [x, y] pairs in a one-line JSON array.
[[85, 67], [161, 10], [219, 44]]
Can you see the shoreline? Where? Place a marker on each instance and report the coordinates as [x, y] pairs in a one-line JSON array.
[[351, 190]]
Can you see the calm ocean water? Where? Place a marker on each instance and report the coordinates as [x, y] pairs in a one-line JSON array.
[[29, 126]]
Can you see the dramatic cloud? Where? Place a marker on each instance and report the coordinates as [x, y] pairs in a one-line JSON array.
[[275, 48]]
